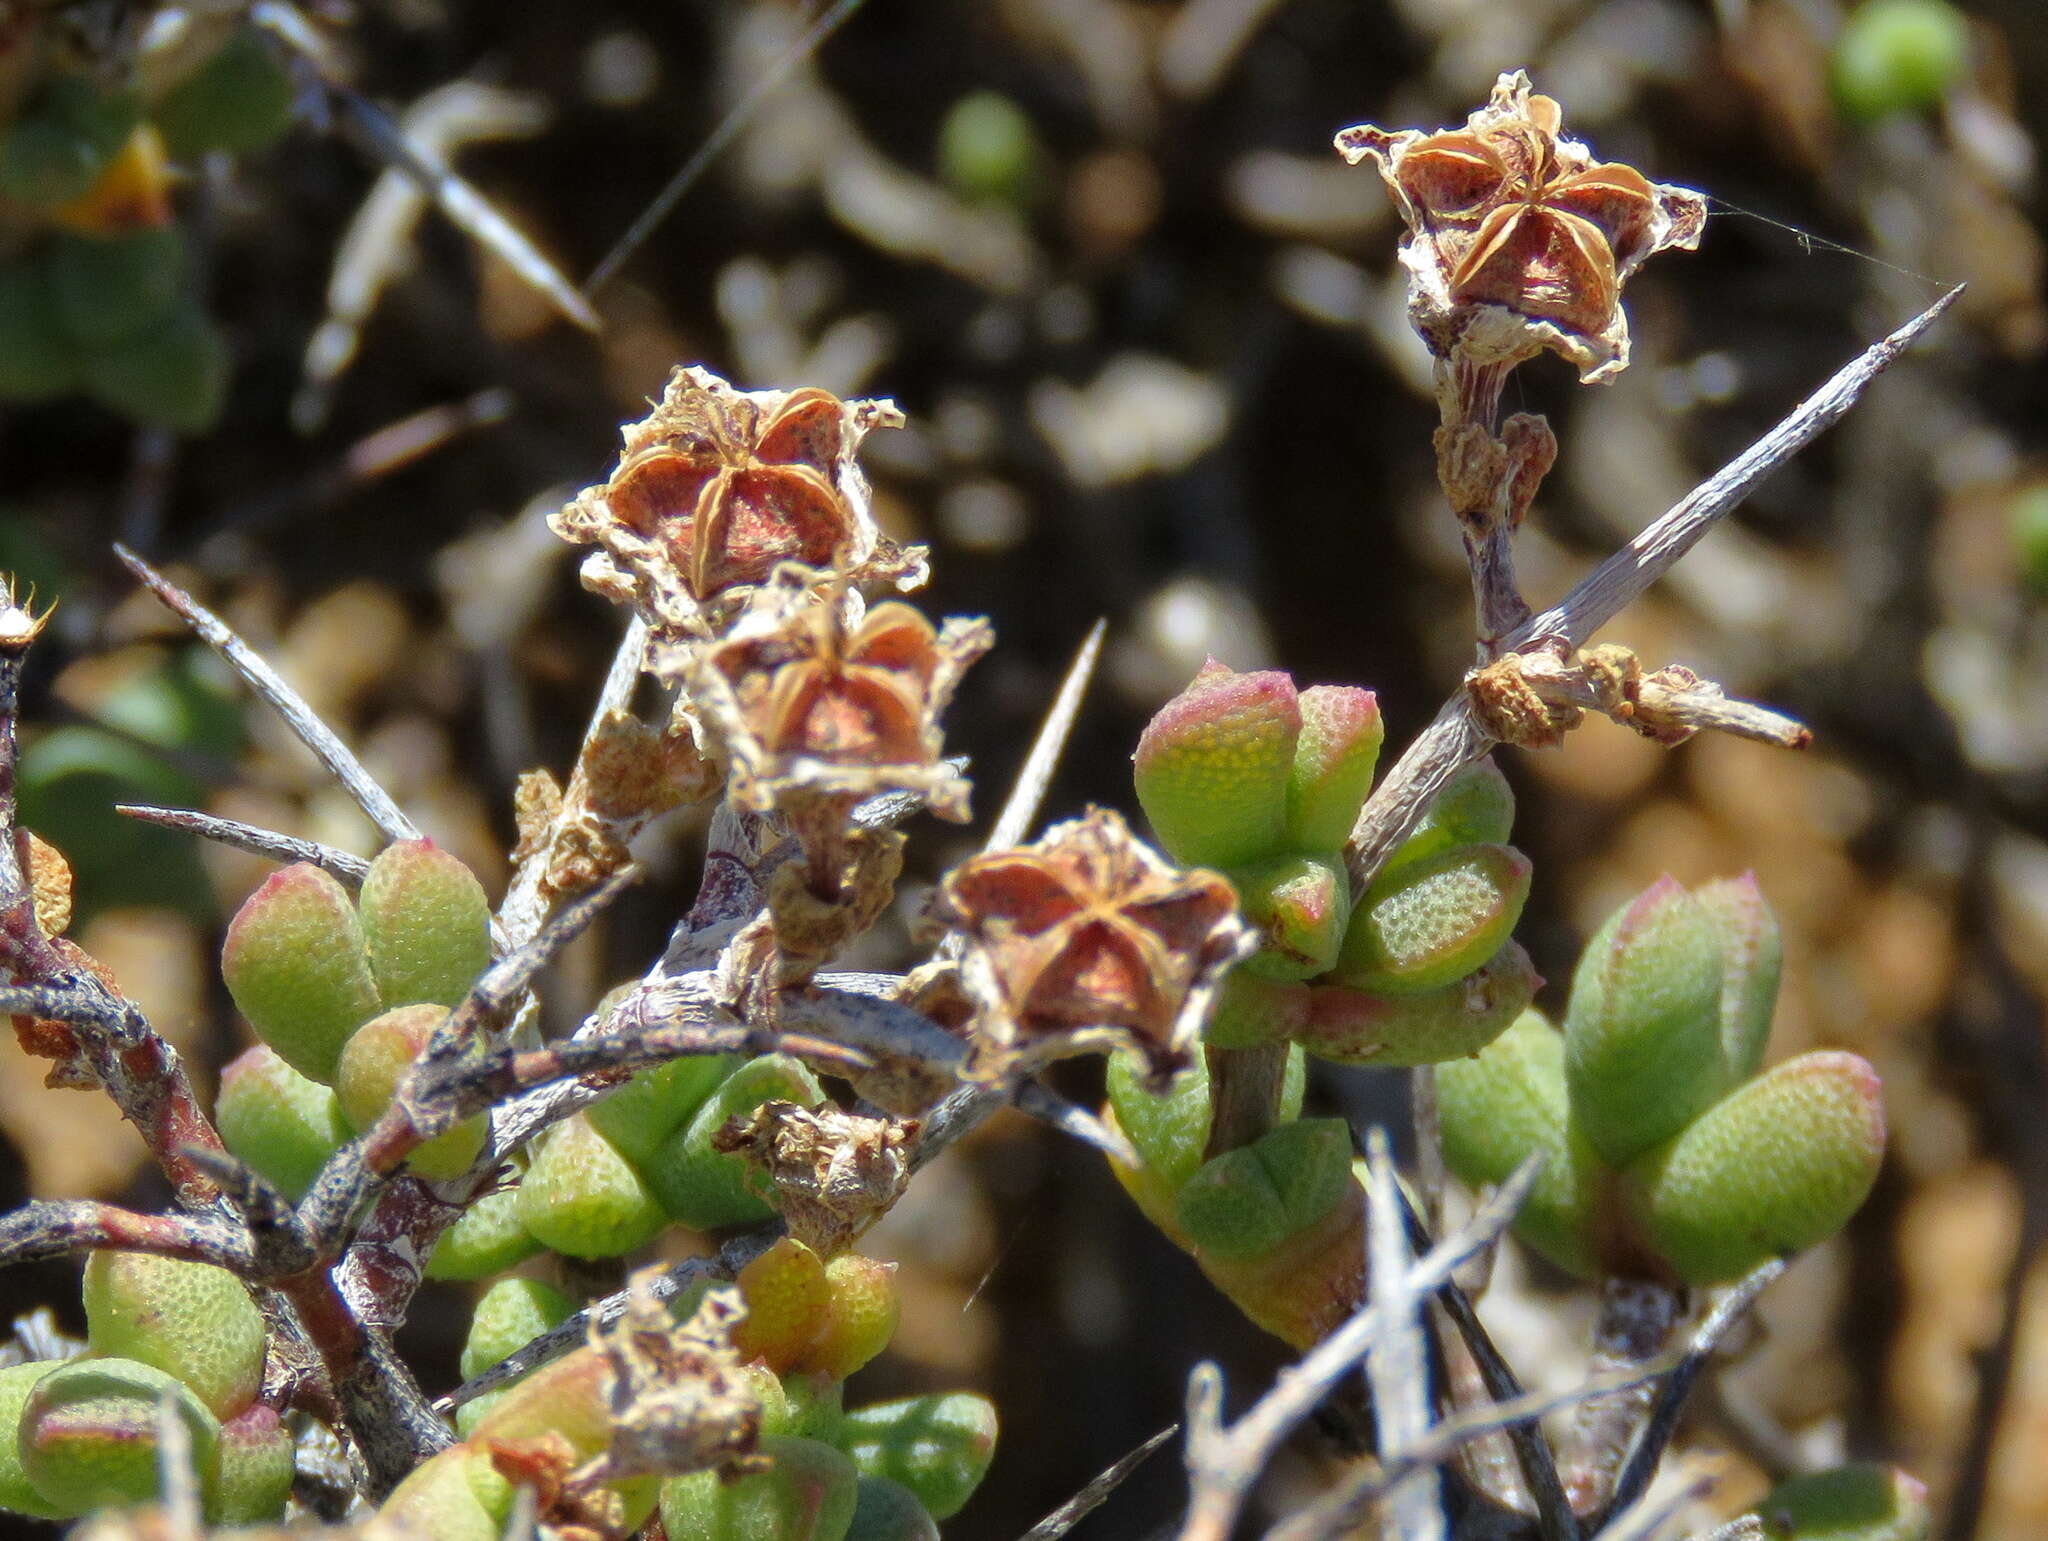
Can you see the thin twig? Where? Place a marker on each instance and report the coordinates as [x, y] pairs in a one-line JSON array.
[[1635, 1477], [350, 869], [1648, 1515], [1397, 1368], [1090, 1498], [1454, 739], [1224, 1464], [304, 722]]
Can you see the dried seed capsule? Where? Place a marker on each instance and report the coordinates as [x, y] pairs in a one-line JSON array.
[[295, 964], [706, 1188], [937, 1446], [1249, 1201], [283, 1125], [807, 1495], [189, 1320], [89, 1433], [1430, 922], [1213, 767], [426, 924], [1642, 1031], [1300, 905], [1506, 1102], [1356, 1027], [257, 1463], [1861, 1502], [1775, 1167], [1333, 765], [583, 1198]]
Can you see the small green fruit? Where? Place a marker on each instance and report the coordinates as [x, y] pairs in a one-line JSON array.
[[1300, 905], [1333, 764], [373, 1063], [189, 1320], [888, 1511], [1506, 1102], [705, 1188], [295, 964], [1864, 1502], [1777, 1166], [37, 361], [280, 1123], [171, 375], [582, 1198], [937, 1446], [487, 1240], [110, 288], [807, 1495], [238, 100], [1249, 1201], [426, 924], [1429, 922], [16, 1493], [1213, 767], [1899, 56], [987, 150], [1643, 1030], [89, 1433], [1355, 1027], [257, 1463]]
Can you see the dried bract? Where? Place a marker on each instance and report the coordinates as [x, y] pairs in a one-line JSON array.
[[835, 1173], [1518, 239], [679, 1402], [715, 487], [1089, 941], [819, 698]]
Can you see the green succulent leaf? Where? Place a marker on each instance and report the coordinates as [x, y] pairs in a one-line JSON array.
[[705, 1188], [37, 361], [1752, 957], [808, 1494], [1432, 921], [283, 1125], [1214, 766], [512, 1313], [1643, 1044], [1248, 1201], [1171, 1129], [486, 1240], [1508, 1102], [16, 1492], [583, 1198], [426, 924], [1475, 807], [888, 1511], [1356, 1027], [1300, 905], [1861, 1502], [109, 288], [257, 1464], [239, 100], [374, 1062], [295, 964], [1333, 765], [644, 1112], [189, 1320], [89, 1433], [1777, 1166], [937, 1446]]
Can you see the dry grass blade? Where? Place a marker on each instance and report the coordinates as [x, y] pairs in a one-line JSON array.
[[1074, 1121], [728, 130], [350, 869], [1027, 796], [1645, 1517], [270, 685], [1090, 1498]]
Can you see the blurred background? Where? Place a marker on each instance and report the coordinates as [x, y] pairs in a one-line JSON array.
[[1148, 332]]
